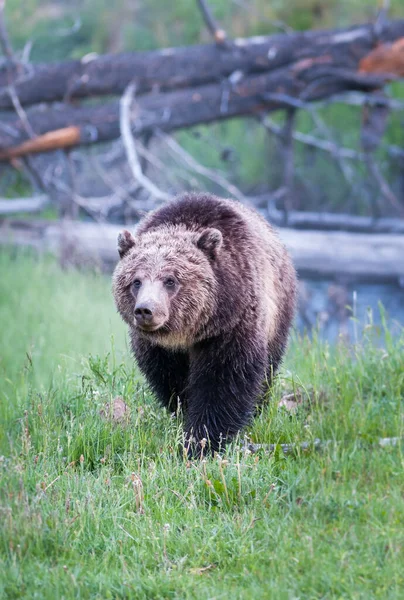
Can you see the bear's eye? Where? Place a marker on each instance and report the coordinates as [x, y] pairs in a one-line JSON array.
[[169, 282], [136, 284]]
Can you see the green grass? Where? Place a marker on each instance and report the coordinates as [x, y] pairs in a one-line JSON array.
[[89, 509]]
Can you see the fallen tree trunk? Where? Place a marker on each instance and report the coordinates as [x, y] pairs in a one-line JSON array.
[[173, 68], [367, 257], [167, 112], [335, 222], [293, 219], [356, 256], [327, 63], [68, 125], [24, 205]]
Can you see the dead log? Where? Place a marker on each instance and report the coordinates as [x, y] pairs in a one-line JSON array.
[[304, 66], [294, 219], [334, 221], [367, 257], [352, 49], [167, 112], [341, 254], [23, 205]]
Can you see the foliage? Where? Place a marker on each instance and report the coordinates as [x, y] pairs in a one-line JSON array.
[[92, 509]]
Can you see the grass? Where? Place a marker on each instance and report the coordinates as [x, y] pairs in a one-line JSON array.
[[89, 509]]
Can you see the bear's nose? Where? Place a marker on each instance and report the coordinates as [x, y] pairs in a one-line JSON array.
[[143, 314]]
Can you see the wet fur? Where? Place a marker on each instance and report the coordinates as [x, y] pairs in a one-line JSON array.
[[229, 323]]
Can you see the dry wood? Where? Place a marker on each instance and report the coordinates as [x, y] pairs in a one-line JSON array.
[[218, 34], [334, 222], [362, 256], [23, 205], [60, 138], [172, 68], [130, 146], [250, 76], [370, 257], [296, 219], [174, 110]]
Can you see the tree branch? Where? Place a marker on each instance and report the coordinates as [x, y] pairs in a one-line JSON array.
[[130, 146], [385, 189], [219, 35], [288, 160], [190, 162], [315, 142], [5, 43], [310, 52]]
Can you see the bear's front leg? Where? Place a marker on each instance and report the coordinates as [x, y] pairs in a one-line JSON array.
[[166, 371], [225, 382]]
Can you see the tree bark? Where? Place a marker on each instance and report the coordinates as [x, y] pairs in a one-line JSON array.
[[265, 74], [172, 68], [68, 125]]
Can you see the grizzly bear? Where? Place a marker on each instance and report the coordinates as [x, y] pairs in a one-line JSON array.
[[209, 293]]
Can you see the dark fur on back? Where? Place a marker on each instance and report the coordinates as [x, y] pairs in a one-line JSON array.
[[218, 350]]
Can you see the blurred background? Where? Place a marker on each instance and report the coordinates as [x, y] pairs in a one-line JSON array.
[[97, 127]]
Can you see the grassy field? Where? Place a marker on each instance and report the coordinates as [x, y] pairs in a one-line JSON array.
[[92, 509]]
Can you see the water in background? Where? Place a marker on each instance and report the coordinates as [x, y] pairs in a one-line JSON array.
[[331, 306]]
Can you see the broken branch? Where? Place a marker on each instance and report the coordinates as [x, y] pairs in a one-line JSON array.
[[130, 146]]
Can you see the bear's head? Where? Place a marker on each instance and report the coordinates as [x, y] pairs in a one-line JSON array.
[[164, 284]]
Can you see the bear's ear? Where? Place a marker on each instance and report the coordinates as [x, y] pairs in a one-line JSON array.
[[210, 242], [126, 241]]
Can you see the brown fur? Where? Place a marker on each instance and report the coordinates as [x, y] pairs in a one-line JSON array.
[[219, 290]]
